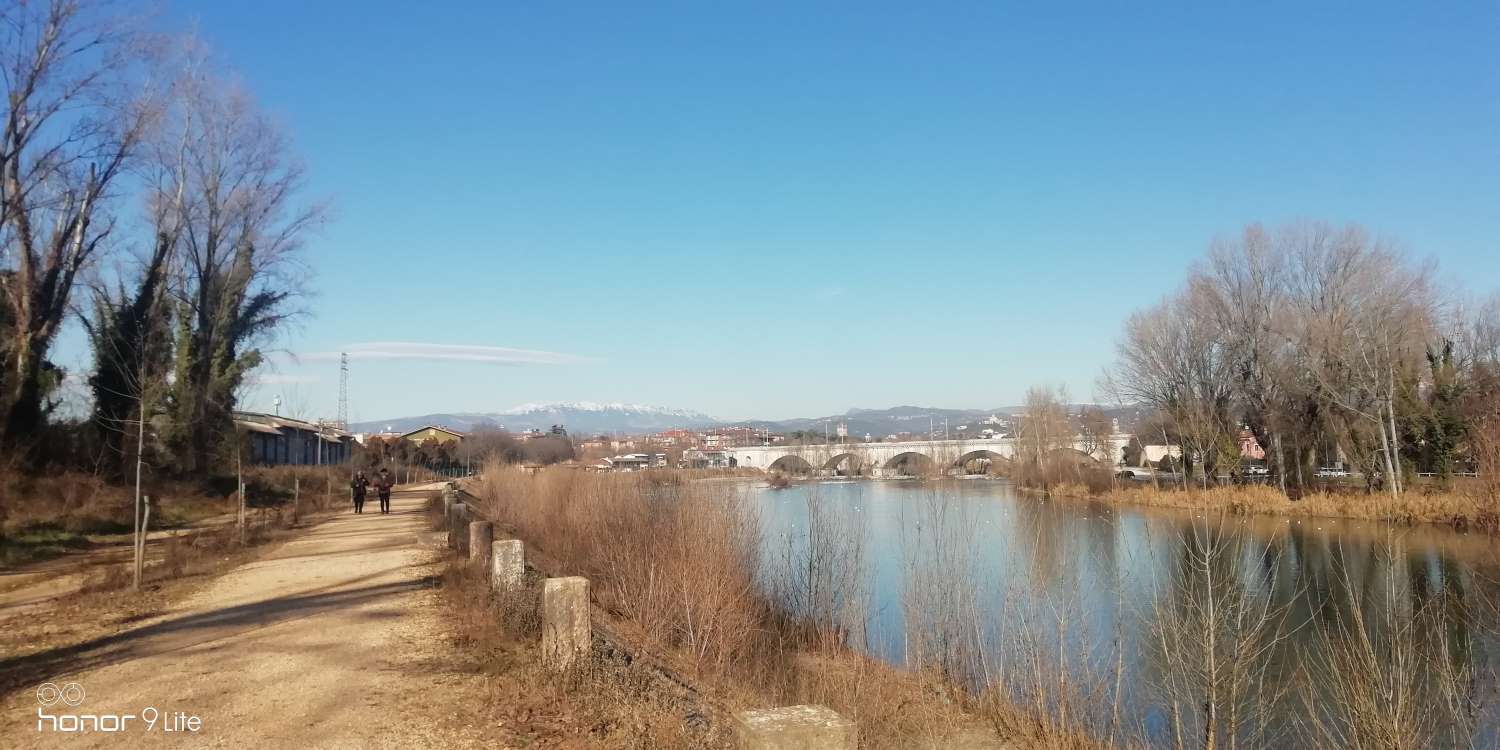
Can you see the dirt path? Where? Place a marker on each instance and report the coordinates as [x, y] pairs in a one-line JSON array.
[[331, 640]]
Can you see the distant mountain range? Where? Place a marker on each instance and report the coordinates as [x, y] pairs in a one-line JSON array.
[[589, 418], [580, 417]]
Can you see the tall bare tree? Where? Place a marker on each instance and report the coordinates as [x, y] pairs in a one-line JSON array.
[[242, 223], [76, 111], [1363, 321], [1242, 286]]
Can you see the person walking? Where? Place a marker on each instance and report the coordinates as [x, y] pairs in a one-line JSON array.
[[383, 485], [357, 487]]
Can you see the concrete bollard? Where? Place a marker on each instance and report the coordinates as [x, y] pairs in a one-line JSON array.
[[566, 633], [481, 536], [458, 530], [507, 565], [794, 728]]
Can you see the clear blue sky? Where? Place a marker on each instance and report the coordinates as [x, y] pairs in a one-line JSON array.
[[773, 210]]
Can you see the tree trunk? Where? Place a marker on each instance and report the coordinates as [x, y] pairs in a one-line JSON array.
[[1385, 453], [1390, 410], [1280, 462]]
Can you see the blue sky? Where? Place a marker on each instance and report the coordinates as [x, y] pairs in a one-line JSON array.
[[774, 210]]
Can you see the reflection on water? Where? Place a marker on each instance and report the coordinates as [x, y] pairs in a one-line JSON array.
[[1281, 629]]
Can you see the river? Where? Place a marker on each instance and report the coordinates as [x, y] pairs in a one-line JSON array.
[[1105, 612]]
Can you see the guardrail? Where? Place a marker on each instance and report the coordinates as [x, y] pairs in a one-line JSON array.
[[570, 633]]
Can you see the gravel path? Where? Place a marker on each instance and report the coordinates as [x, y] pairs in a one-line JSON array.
[[330, 640]]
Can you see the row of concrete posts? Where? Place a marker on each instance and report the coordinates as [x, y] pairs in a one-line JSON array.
[[567, 635]]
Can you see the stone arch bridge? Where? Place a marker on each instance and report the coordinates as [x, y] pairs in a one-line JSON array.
[[900, 458]]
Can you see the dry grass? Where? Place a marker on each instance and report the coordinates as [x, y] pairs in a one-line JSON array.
[[676, 559], [315, 489], [604, 704], [45, 516], [1458, 507]]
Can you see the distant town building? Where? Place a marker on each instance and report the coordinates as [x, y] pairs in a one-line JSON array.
[[730, 437], [1155, 453], [693, 458], [282, 441], [636, 461], [1250, 447], [434, 432], [676, 437]]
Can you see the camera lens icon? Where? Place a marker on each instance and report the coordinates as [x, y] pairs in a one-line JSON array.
[[49, 694]]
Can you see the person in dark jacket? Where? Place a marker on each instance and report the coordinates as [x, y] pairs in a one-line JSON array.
[[357, 487], [383, 484]]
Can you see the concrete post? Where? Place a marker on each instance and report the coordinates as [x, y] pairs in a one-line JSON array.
[[449, 498], [507, 564], [458, 531], [566, 633], [481, 536], [794, 728]]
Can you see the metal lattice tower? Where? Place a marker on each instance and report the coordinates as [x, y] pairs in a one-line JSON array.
[[343, 390]]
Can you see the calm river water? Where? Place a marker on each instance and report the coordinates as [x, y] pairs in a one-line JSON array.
[[1114, 599]]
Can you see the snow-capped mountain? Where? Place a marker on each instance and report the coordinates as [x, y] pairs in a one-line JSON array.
[[580, 418]]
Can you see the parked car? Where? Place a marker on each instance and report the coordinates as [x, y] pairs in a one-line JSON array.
[[1257, 471], [1330, 472]]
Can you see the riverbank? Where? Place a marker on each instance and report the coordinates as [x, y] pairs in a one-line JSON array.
[[678, 567], [1461, 510]]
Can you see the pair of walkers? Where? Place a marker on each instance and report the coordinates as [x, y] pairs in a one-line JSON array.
[[359, 485]]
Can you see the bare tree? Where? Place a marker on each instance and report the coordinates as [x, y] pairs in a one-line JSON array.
[[1174, 359], [1363, 321], [76, 114], [1242, 286], [1045, 431], [242, 227]]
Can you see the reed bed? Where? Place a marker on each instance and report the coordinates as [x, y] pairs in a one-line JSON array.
[[1458, 507]]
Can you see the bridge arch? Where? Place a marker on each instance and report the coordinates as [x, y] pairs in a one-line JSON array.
[[911, 463], [994, 459], [791, 463], [848, 459]]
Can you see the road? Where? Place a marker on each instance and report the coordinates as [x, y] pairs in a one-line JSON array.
[[330, 640]]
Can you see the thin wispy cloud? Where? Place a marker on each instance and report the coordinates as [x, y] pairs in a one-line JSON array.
[[494, 355]]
